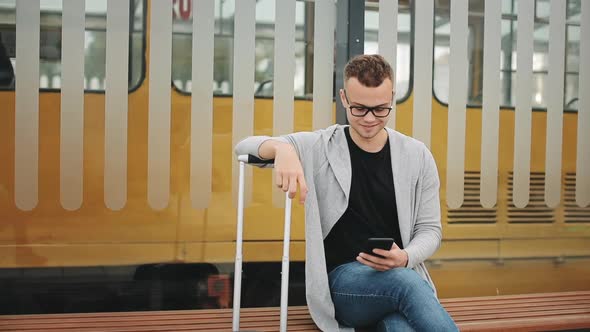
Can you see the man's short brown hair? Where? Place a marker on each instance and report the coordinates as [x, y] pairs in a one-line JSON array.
[[370, 70]]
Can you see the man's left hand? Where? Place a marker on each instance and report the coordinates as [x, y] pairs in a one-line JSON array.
[[392, 258]]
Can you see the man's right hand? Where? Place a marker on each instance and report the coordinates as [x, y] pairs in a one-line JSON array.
[[288, 170]]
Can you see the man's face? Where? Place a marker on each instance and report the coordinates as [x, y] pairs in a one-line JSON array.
[[357, 97]]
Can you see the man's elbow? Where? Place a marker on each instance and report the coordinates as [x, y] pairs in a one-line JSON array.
[[434, 234], [249, 145], [438, 236], [240, 149], [438, 240]]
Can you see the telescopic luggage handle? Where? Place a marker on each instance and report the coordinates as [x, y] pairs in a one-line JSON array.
[[249, 159]]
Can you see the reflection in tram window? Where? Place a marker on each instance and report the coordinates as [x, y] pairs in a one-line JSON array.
[[508, 54], [50, 66], [264, 48]]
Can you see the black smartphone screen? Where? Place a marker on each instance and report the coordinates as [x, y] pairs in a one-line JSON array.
[[378, 243]]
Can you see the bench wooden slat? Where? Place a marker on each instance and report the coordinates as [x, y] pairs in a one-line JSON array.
[[117, 321], [516, 306], [520, 297], [174, 313], [547, 311], [524, 324], [548, 308], [271, 325], [531, 315]]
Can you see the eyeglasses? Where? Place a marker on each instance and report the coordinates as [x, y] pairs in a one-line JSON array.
[[361, 110]]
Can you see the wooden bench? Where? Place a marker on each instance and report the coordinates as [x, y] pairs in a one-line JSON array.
[[531, 312]]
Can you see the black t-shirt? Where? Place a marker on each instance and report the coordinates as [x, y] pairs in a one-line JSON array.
[[372, 210]]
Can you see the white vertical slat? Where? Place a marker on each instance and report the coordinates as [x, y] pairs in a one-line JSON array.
[[583, 149], [554, 95], [323, 62], [490, 104], [159, 104], [457, 103], [423, 28], [26, 140], [243, 102], [284, 73], [388, 42], [524, 88], [116, 72], [72, 105], [202, 103]]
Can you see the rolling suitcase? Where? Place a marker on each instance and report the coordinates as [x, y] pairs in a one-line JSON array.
[[248, 159]]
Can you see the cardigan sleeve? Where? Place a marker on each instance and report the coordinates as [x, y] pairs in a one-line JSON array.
[[427, 231], [301, 141], [251, 145]]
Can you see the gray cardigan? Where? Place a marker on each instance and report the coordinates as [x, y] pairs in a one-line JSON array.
[[326, 164]]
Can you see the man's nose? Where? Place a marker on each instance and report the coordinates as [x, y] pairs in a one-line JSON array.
[[369, 116]]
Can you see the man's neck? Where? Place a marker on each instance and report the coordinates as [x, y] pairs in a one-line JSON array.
[[374, 144]]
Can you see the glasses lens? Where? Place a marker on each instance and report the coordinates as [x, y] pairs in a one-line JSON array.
[[358, 111], [381, 111]]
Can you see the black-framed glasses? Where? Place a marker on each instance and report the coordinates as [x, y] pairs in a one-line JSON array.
[[361, 110]]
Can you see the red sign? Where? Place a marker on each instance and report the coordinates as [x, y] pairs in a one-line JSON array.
[[182, 10]]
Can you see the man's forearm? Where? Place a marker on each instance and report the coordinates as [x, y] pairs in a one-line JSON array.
[[268, 149]]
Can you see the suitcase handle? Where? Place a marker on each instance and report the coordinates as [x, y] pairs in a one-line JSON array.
[[253, 160]]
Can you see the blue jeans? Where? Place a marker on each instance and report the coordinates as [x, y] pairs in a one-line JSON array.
[[394, 300]]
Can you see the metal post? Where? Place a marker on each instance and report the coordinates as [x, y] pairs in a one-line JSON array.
[[350, 41], [285, 267], [238, 264]]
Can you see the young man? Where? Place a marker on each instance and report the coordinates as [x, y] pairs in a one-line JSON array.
[[357, 182]]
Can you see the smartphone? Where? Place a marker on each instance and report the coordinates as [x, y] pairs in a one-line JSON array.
[[384, 243]]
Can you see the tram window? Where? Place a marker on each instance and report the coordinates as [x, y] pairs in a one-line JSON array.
[[508, 53], [264, 47], [572, 59], [404, 37], [7, 49], [94, 43], [223, 47], [7, 45]]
